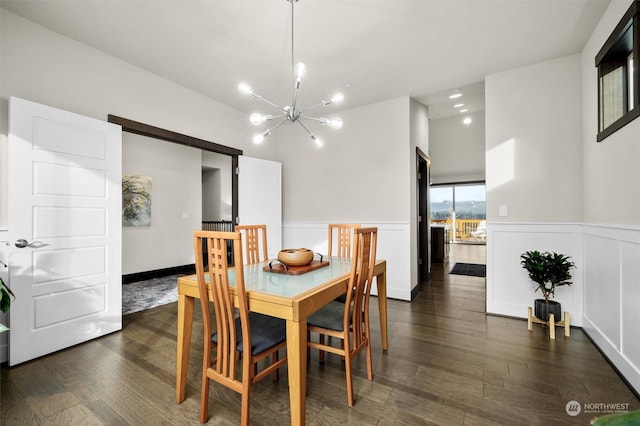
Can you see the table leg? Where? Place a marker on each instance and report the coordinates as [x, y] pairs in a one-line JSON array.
[[381, 281], [185, 321], [297, 369]]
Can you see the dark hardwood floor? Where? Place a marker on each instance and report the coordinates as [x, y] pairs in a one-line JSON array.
[[448, 364]]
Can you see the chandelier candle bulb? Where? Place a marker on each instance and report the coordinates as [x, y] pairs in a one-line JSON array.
[[301, 69], [257, 119], [336, 123], [245, 89]]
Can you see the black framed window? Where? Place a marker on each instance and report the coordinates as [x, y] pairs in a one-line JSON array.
[[618, 69]]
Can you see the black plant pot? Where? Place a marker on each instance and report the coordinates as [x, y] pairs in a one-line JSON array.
[[542, 309]]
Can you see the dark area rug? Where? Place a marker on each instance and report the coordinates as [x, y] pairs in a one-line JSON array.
[[472, 269]]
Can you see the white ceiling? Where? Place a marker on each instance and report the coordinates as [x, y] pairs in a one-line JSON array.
[[371, 50]]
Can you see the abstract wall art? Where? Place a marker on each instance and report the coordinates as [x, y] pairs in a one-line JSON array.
[[136, 200]]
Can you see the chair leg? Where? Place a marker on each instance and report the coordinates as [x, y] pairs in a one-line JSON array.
[[369, 362], [244, 410], [204, 398], [349, 377]]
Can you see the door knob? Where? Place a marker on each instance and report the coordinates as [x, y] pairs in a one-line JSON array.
[[22, 243]]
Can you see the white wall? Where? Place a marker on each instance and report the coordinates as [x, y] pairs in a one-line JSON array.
[[533, 166], [211, 187], [217, 191], [448, 137], [45, 67], [369, 154], [611, 212], [534, 142], [176, 203], [611, 166], [566, 193], [419, 126], [367, 171], [373, 150]]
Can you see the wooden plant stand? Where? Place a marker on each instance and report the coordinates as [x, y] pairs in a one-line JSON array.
[[552, 323]]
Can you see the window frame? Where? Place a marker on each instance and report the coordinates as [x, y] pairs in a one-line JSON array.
[[607, 56]]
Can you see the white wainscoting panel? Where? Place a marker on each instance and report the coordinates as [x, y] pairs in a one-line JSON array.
[[4, 273], [509, 289], [605, 296], [393, 246], [612, 295]]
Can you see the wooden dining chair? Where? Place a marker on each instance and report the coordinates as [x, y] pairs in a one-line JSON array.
[[238, 334], [344, 235], [254, 235], [349, 321]]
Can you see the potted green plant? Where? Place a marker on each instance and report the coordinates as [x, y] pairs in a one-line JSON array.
[[548, 271], [5, 300]]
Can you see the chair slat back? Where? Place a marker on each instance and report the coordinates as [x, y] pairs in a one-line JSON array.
[[365, 242], [254, 236], [344, 234], [213, 280]]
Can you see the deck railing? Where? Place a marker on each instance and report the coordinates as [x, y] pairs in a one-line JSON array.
[[217, 225], [463, 228]]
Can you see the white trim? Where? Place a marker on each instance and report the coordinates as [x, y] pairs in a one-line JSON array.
[[4, 318], [394, 244]]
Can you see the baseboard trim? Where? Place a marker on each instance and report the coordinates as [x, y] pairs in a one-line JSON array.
[[158, 273]]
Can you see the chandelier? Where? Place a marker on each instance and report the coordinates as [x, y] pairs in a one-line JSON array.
[[291, 112]]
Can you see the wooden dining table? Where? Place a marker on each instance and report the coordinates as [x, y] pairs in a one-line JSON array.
[[290, 297]]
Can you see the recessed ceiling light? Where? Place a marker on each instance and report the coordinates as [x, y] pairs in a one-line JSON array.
[[458, 105], [455, 94], [464, 110], [467, 120]]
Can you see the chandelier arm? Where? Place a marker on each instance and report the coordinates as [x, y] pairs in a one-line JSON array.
[[295, 96], [290, 112], [321, 120], [305, 128], [313, 107], [261, 98], [277, 125], [273, 117]]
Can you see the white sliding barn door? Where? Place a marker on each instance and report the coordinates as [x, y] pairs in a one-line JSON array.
[[260, 198], [65, 205]]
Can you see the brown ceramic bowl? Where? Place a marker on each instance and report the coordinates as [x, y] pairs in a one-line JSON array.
[[295, 257]]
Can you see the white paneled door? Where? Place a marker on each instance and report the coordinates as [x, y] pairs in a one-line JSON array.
[[260, 198], [64, 229]]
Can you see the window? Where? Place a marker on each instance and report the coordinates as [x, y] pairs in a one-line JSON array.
[[460, 207], [618, 75]]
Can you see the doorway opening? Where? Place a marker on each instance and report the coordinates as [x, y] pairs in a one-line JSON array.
[[423, 177], [461, 209]]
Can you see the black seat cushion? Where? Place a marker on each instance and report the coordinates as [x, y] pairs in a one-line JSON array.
[[329, 316], [266, 331], [342, 298]]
